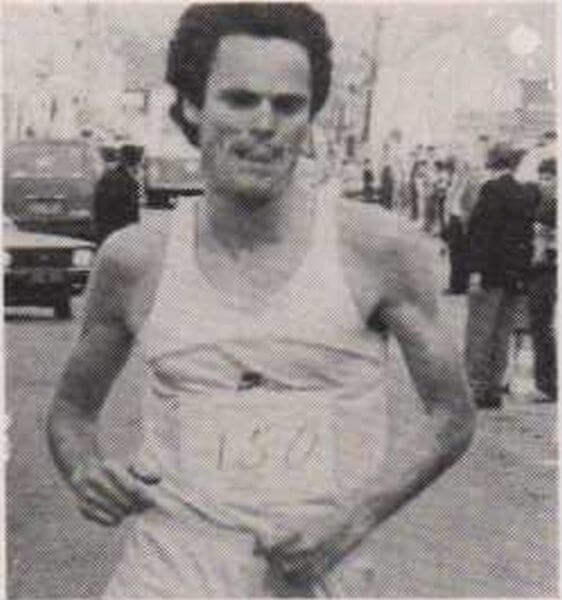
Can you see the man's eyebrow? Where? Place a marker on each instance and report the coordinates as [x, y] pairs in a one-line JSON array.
[[235, 90]]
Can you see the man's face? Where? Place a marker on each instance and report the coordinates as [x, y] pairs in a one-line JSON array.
[[547, 182], [256, 116], [133, 170]]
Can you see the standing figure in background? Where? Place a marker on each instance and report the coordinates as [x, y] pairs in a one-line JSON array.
[[368, 182], [500, 242], [117, 194], [456, 230], [434, 217], [432, 160], [386, 190], [542, 284], [422, 187], [412, 199], [396, 160], [478, 173], [110, 156]]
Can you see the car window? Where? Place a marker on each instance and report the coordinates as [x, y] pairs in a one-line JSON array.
[[46, 160]]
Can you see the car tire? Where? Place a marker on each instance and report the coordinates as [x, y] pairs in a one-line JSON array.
[[63, 307]]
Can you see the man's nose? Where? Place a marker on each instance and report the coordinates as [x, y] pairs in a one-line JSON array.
[[264, 118]]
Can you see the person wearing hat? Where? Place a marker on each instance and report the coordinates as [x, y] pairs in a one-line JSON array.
[[117, 193], [500, 248], [542, 285]]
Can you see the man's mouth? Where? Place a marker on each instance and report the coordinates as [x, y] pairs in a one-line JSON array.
[[261, 155]]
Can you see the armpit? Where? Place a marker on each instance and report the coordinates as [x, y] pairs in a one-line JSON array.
[[375, 322]]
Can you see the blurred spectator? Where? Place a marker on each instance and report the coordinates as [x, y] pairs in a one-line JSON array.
[[500, 246], [117, 194], [110, 156], [455, 235], [431, 157], [400, 180], [421, 187], [413, 205], [479, 172], [368, 182], [434, 217], [542, 284], [386, 190]]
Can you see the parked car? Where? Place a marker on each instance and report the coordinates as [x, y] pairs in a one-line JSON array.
[[167, 178], [44, 269], [49, 185]]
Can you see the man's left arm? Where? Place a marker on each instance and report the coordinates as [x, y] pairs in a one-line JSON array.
[[411, 313]]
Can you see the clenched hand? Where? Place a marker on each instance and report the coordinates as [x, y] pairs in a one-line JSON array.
[[107, 491]]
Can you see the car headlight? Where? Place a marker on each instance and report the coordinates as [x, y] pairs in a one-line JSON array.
[[7, 259], [82, 258]]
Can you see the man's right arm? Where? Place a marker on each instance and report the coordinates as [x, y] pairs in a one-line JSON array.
[[106, 491]]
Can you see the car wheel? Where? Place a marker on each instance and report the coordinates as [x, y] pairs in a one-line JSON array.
[[62, 307]]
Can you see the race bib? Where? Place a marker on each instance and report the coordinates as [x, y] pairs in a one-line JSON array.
[[259, 446]]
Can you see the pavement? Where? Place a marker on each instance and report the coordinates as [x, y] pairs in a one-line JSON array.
[[488, 528]]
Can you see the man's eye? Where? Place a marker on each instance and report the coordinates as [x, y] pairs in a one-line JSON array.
[[289, 104], [241, 99]]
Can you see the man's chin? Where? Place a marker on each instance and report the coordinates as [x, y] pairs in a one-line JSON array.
[[258, 192], [252, 196]]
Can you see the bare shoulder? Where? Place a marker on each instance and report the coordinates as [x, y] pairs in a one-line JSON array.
[[126, 274], [134, 251], [388, 257], [370, 232]]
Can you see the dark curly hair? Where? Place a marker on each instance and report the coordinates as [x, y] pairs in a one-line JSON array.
[[201, 27]]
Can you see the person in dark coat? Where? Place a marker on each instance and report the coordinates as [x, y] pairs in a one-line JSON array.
[[500, 249], [434, 222], [542, 285], [116, 197], [386, 189], [368, 182], [455, 234]]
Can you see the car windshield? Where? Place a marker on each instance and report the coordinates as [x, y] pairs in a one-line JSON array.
[[45, 160]]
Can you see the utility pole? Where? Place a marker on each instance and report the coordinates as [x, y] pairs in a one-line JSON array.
[[371, 80]]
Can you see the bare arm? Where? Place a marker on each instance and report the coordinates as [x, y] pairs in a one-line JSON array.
[[107, 492], [408, 307], [411, 313]]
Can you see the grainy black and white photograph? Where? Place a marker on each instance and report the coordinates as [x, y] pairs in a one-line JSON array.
[[279, 299]]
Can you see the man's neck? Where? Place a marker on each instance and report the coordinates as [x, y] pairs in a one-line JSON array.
[[238, 224]]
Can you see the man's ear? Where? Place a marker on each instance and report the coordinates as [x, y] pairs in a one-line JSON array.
[[190, 112]]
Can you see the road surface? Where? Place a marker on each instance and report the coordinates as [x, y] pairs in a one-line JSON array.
[[487, 528]]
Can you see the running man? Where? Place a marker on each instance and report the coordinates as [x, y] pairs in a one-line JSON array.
[[264, 312]]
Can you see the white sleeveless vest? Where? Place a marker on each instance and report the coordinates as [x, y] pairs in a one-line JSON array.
[[260, 419]]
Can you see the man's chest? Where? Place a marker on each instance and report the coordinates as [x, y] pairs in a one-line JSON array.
[[255, 279], [253, 274]]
